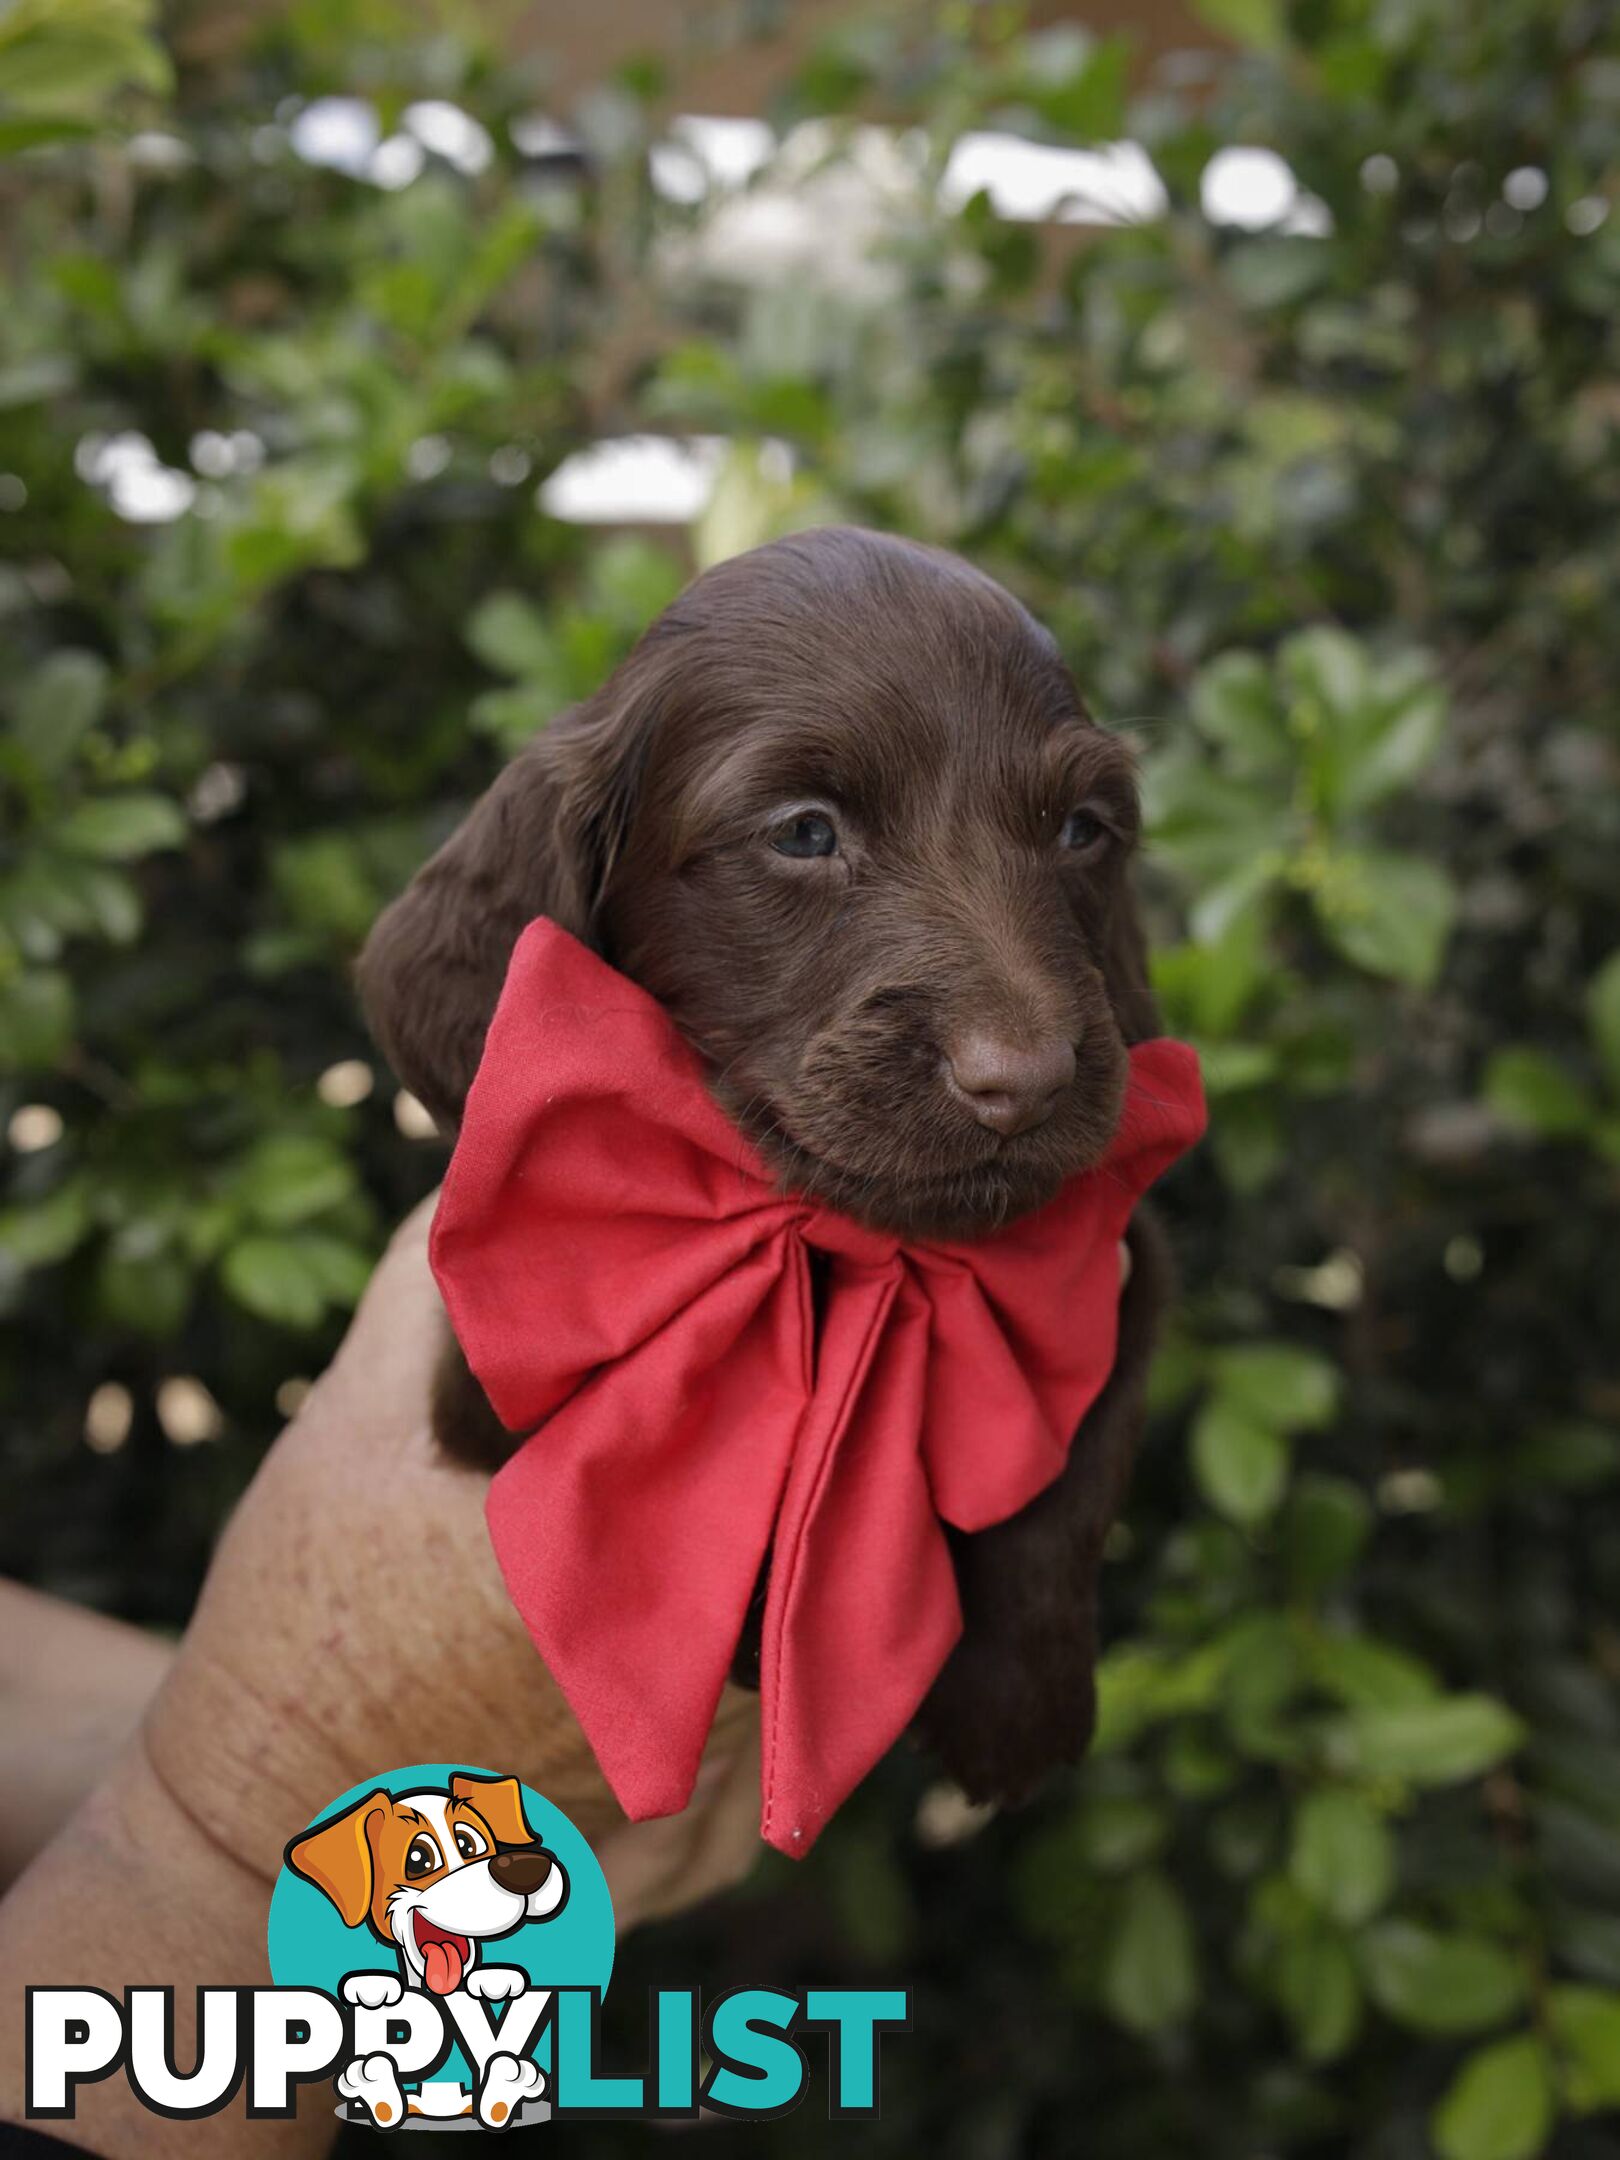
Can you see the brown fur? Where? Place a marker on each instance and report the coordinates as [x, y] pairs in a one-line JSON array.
[[930, 718]]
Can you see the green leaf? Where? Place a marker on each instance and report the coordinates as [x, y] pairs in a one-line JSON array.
[[1324, 668], [1500, 2104], [1248, 1142], [1342, 1856], [1207, 986], [148, 1292], [1328, 1524], [1390, 914], [513, 715], [72, 55], [272, 1278], [1261, 1675], [1370, 1675], [510, 635], [1573, 1455], [1079, 89], [1529, 1092], [1120, 1831], [1150, 1978], [32, 381], [118, 828], [1212, 827], [1438, 1743], [36, 1019], [1435, 1983], [1279, 1384], [1241, 1465], [39, 1233], [28, 134], [1261, 24], [1231, 1068], [339, 1270], [1585, 2025], [290, 1177], [59, 704], [1603, 1017], [1400, 743], [1319, 1992], [1235, 707], [1272, 270], [631, 580]]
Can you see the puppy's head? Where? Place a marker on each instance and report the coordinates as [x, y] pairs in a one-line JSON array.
[[433, 1873], [843, 813]]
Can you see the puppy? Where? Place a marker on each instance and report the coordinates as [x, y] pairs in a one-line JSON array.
[[435, 1875], [843, 812]]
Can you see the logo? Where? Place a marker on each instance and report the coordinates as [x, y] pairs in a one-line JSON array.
[[441, 1939], [460, 1886]]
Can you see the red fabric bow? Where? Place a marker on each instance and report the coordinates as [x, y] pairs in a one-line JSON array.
[[620, 1268]]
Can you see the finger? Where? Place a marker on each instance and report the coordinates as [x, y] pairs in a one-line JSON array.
[[1124, 1263]]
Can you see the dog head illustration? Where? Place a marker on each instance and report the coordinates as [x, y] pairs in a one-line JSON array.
[[434, 1874]]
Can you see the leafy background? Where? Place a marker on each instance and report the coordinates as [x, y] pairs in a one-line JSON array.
[[1326, 511]]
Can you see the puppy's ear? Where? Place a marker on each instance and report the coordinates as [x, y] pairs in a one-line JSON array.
[[500, 1802], [336, 1857], [540, 842]]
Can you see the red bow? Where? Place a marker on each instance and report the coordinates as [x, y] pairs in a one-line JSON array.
[[621, 1269]]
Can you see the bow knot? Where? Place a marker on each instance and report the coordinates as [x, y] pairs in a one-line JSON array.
[[624, 1275], [842, 1236]]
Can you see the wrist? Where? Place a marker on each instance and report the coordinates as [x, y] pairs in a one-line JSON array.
[[133, 1892]]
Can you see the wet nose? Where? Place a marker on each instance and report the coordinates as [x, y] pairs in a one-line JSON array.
[[521, 1872], [1011, 1087]]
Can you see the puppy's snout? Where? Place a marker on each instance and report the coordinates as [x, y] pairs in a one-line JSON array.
[[1011, 1087], [521, 1872]]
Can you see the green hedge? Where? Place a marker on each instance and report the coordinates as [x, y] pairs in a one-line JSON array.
[[1327, 514]]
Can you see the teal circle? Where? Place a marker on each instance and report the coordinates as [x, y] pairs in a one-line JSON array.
[[310, 1946]]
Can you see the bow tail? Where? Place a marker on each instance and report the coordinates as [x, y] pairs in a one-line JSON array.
[[632, 1526], [861, 1607]]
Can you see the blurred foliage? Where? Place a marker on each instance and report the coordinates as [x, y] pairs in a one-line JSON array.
[[1325, 509]]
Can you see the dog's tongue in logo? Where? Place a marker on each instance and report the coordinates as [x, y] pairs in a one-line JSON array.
[[444, 1955]]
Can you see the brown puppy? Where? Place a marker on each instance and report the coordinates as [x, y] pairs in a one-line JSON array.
[[844, 814]]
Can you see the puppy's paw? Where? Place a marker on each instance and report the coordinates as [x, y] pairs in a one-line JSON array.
[[373, 2083], [373, 1991], [508, 2081], [495, 1983], [1003, 1715]]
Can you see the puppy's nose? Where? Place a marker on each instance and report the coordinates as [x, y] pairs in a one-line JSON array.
[[1011, 1087], [521, 1872]]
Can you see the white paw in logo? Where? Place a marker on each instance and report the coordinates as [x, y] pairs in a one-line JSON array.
[[508, 2082], [373, 1991], [495, 1983], [372, 2082]]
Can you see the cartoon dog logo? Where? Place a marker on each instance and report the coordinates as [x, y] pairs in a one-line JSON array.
[[435, 1875]]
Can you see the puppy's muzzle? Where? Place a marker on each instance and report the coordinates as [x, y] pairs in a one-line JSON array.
[[520, 1872], [1010, 1087]]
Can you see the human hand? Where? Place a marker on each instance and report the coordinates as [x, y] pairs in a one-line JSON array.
[[355, 1618]]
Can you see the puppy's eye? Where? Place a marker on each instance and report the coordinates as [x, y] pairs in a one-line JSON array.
[[806, 834], [468, 1843], [1083, 833], [422, 1858]]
